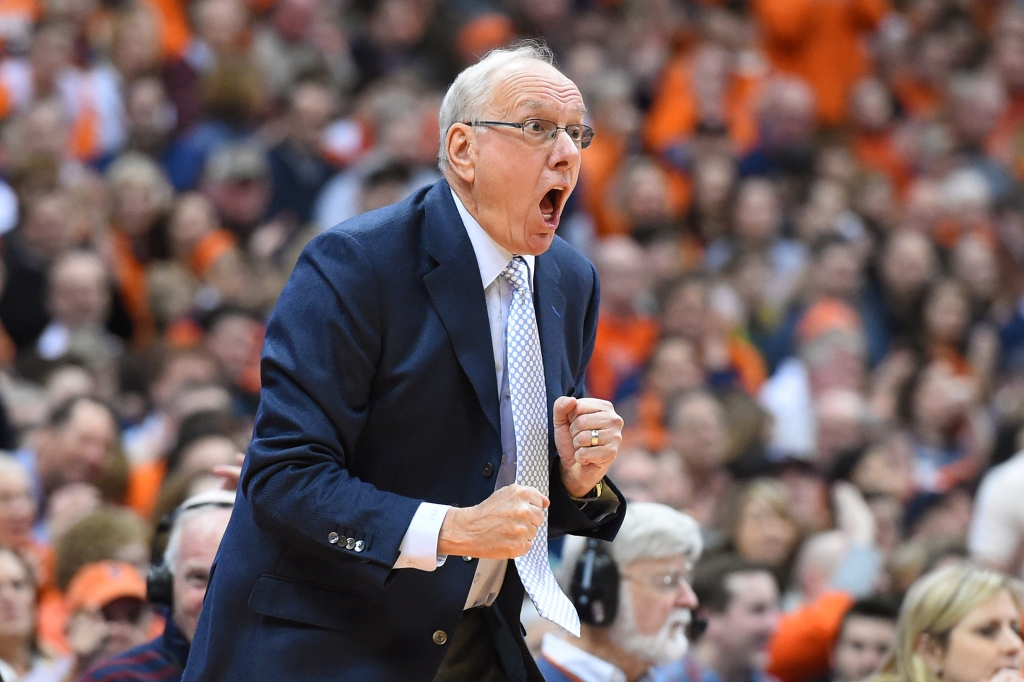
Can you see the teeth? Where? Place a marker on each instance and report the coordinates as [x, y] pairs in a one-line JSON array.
[[548, 216]]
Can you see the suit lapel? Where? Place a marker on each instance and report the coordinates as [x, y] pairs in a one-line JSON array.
[[549, 303], [458, 296]]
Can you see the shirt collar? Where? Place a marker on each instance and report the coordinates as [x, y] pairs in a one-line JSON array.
[[491, 256], [578, 662]]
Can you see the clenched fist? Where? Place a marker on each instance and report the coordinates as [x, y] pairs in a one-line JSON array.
[[577, 422], [501, 527]]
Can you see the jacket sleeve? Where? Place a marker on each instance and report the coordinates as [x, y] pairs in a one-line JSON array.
[[319, 359], [565, 515]]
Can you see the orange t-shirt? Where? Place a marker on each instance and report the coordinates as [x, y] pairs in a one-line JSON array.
[[822, 42], [131, 282], [622, 347], [800, 649], [748, 364], [144, 483], [877, 152], [674, 113]]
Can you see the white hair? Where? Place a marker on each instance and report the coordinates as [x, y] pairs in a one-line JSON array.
[[649, 531], [198, 505], [469, 95]]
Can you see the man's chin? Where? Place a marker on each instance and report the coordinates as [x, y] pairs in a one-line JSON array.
[[666, 646]]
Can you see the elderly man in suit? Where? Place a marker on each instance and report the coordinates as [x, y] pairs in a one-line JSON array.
[[423, 428]]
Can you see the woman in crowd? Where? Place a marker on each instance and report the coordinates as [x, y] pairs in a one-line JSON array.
[[20, 656], [959, 623]]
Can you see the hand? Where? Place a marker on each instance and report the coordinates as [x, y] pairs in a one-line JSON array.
[[69, 504], [1007, 675], [501, 527], [584, 464], [86, 631], [853, 515], [230, 473]]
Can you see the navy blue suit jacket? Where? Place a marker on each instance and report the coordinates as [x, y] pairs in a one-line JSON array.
[[379, 392]]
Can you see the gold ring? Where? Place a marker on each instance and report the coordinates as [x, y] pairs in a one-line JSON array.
[[593, 437]]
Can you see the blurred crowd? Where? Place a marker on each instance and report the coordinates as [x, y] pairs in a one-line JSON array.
[[807, 216]]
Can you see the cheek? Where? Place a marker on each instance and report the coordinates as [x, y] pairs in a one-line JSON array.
[[968, 659], [649, 613], [194, 599]]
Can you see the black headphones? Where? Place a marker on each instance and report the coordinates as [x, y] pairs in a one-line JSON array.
[[595, 590], [160, 580], [595, 585]]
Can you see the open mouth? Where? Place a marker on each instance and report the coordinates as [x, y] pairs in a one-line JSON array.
[[551, 206]]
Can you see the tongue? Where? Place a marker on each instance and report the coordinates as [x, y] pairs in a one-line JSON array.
[[547, 205]]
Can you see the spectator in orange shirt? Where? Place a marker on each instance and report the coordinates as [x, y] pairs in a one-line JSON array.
[[920, 87], [875, 144], [707, 86], [615, 114], [674, 369], [625, 336], [727, 358], [822, 42]]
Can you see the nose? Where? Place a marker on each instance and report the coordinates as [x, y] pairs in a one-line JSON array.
[[564, 152], [687, 598], [1013, 643]]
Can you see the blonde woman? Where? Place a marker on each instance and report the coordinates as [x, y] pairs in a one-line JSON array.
[[959, 623]]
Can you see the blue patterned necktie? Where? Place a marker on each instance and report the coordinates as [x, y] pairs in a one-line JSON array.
[[525, 368]]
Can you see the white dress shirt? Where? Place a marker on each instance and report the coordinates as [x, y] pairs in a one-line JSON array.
[[419, 547], [577, 662]]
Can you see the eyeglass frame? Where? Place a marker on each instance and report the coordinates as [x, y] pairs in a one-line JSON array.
[[665, 583], [583, 143]]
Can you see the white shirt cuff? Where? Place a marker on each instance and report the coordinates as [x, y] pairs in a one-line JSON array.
[[419, 546]]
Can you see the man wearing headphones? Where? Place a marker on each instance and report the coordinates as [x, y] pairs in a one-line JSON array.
[[179, 583], [633, 597]]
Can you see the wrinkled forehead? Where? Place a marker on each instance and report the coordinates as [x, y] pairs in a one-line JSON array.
[[530, 87]]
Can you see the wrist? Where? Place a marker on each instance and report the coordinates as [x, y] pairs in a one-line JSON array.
[[590, 495], [449, 537]]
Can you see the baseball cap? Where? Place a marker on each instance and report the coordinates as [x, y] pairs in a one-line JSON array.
[[96, 585], [826, 315]]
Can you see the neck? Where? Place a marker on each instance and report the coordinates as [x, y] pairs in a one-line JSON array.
[[16, 651], [726, 667], [464, 192], [596, 642]]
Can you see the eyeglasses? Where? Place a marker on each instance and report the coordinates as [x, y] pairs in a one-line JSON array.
[[537, 131], [127, 610], [669, 582]]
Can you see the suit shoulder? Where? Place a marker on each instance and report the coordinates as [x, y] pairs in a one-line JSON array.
[[371, 224]]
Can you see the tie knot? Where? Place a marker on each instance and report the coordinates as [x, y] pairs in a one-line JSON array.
[[517, 273]]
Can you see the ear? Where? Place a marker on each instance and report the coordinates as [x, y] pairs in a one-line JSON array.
[[932, 653], [460, 143]]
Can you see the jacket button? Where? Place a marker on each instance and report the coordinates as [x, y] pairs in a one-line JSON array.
[[359, 545], [332, 538], [488, 470], [440, 637], [467, 559], [350, 543]]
